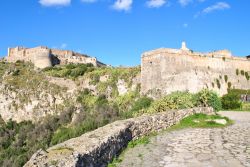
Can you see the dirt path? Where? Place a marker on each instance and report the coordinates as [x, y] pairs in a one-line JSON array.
[[223, 147]]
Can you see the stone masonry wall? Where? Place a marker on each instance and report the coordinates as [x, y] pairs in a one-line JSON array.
[[97, 148], [44, 57], [40, 56], [164, 72]]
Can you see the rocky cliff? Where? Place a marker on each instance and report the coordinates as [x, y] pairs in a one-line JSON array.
[[28, 94]]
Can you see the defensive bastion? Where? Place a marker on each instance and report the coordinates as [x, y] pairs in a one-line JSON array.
[[43, 57], [166, 70]]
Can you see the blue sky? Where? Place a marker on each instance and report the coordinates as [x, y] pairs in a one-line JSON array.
[[117, 32]]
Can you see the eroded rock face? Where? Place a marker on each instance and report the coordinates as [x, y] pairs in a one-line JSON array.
[[38, 96], [97, 148], [25, 103]]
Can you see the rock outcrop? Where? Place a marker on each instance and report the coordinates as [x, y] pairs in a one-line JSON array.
[[97, 148], [28, 94]]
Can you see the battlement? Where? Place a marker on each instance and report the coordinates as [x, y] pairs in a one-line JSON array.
[[184, 51], [43, 57]]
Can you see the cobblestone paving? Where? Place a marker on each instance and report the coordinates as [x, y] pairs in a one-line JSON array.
[[223, 147]]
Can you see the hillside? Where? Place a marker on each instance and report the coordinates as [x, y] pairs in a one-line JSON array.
[[40, 108]]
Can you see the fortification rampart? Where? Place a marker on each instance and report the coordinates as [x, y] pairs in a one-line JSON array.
[[44, 57], [40, 56], [165, 71]]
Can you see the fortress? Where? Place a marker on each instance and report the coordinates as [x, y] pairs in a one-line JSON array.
[[43, 57], [166, 70]]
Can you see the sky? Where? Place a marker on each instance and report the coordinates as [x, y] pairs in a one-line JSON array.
[[117, 32]]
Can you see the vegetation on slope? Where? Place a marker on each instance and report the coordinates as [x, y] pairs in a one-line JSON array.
[[69, 71], [18, 141], [21, 79], [21, 140]]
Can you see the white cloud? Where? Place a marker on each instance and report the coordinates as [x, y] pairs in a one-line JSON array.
[[88, 1], [217, 6], [55, 2], [185, 2], [122, 5], [185, 25], [155, 3], [63, 45]]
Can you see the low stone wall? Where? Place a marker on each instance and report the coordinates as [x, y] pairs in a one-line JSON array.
[[97, 148]]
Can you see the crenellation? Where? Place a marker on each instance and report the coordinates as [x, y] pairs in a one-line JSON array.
[[43, 57]]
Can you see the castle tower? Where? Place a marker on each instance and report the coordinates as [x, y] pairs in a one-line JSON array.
[[42, 58]]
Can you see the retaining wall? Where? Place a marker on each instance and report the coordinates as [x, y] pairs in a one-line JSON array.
[[97, 148]]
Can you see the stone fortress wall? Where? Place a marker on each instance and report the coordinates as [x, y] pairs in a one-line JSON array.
[[44, 57], [168, 70]]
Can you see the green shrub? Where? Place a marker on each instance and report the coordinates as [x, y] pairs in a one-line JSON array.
[[246, 106], [137, 106], [207, 98], [70, 70], [237, 71], [175, 100], [16, 72], [247, 75], [141, 103], [240, 91], [229, 85], [218, 83], [231, 101], [242, 72], [225, 78]]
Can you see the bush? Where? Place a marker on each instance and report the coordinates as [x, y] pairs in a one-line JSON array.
[[210, 98], [141, 103], [247, 75], [229, 85], [242, 72], [69, 70], [218, 83], [225, 78], [237, 72], [231, 101], [175, 100], [16, 72], [246, 106]]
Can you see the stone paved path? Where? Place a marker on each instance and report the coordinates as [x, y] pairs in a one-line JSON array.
[[224, 147]]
